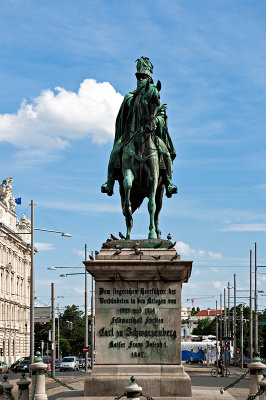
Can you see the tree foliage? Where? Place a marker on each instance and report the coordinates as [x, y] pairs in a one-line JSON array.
[[205, 327], [71, 331]]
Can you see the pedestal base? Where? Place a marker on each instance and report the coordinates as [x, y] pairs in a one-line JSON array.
[[155, 380]]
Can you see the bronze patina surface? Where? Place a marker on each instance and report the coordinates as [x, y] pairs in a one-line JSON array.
[[143, 152]]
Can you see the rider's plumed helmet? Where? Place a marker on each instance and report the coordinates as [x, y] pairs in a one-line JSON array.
[[144, 66]]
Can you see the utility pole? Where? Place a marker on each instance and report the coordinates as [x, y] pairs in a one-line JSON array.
[[234, 323], [53, 330], [228, 317], [256, 335], [92, 322], [221, 319], [250, 309], [32, 286], [86, 313], [216, 335], [225, 316], [58, 333], [241, 336], [225, 329], [229, 327]]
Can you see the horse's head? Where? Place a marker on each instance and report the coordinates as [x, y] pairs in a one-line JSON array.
[[150, 101]]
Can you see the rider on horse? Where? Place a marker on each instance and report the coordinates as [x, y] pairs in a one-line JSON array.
[[162, 138]]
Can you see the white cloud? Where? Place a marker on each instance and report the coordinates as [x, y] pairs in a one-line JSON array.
[[216, 256], [185, 250], [246, 228], [197, 272], [79, 290], [83, 206], [213, 269], [56, 117], [79, 252], [219, 285], [40, 246], [260, 187]]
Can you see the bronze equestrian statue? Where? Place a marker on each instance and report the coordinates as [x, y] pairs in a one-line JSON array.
[[143, 152]]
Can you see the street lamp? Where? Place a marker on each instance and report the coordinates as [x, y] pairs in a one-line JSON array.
[[86, 308], [76, 273], [32, 285]]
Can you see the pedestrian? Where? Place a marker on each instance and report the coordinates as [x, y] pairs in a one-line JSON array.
[[221, 366]]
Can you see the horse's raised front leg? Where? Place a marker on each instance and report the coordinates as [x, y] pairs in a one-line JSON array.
[[152, 209], [127, 210]]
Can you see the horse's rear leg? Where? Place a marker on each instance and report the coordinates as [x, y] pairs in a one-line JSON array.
[[152, 209], [127, 210], [159, 203]]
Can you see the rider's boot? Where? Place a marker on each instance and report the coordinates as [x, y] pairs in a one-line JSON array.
[[169, 187], [108, 187]]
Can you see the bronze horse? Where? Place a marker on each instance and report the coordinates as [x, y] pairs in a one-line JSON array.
[[140, 161]]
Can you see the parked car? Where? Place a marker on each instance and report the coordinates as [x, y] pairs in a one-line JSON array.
[[57, 364], [4, 367], [69, 363], [23, 366], [82, 364], [13, 366]]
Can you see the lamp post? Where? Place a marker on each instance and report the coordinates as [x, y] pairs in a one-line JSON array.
[[32, 275], [250, 308], [86, 341], [58, 328], [53, 329], [86, 313]]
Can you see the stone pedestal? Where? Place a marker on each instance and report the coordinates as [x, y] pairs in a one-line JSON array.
[[138, 319]]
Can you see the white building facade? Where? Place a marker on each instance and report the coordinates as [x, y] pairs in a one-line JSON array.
[[15, 265]]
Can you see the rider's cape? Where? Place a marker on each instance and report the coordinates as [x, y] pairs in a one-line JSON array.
[[124, 114]]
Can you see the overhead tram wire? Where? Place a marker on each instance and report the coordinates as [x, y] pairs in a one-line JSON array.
[[46, 216]]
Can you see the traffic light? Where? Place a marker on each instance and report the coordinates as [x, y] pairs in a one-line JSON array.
[[69, 325]]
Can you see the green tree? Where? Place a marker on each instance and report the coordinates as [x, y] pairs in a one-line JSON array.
[[205, 327], [72, 325], [71, 330]]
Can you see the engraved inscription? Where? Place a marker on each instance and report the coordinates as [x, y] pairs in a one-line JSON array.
[[137, 322]]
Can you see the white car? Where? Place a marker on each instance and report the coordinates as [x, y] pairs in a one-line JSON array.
[[4, 367], [70, 363]]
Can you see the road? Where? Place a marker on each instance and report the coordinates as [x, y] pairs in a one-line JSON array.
[[204, 379], [200, 378]]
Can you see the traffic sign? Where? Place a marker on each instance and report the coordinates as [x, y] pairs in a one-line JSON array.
[[262, 322], [85, 349]]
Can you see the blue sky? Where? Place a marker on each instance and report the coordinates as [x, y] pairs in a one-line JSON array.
[[65, 67]]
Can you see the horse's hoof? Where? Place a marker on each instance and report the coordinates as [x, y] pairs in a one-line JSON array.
[[159, 234], [152, 235], [127, 237]]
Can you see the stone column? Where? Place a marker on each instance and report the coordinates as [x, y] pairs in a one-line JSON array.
[[256, 368], [262, 384], [23, 388], [38, 378], [6, 386]]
